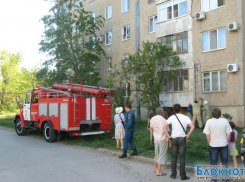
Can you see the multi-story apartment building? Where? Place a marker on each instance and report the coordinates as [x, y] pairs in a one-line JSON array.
[[125, 20], [206, 46], [174, 28], [215, 47]]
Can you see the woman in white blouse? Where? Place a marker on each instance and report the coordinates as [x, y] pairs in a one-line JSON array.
[[119, 131]]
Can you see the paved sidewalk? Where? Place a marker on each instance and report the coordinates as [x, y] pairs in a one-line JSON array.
[[31, 159], [189, 169]]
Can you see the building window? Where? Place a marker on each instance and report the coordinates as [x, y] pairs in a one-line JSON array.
[[108, 38], [91, 0], [215, 39], [126, 32], [212, 4], [150, 1], [108, 12], [180, 83], [172, 9], [92, 40], [125, 5], [94, 17], [178, 42], [108, 65], [78, 3], [214, 81], [126, 86], [125, 60], [152, 24]]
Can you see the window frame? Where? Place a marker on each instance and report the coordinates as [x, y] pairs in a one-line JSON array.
[[107, 33], [127, 89], [170, 37], [211, 81], [125, 63], [78, 3], [154, 24], [108, 67], [106, 12], [217, 43], [172, 10], [93, 39], [209, 5], [127, 4], [126, 32], [94, 17], [177, 78]]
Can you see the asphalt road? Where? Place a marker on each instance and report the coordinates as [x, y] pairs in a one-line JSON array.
[[32, 159]]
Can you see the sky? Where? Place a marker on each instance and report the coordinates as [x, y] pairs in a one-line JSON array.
[[21, 29]]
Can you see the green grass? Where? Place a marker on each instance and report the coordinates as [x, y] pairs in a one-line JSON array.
[[7, 121], [197, 146], [9, 112]]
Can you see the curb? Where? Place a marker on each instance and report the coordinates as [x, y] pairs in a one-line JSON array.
[[190, 169]]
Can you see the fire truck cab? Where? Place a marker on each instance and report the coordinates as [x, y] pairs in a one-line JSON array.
[[74, 109]]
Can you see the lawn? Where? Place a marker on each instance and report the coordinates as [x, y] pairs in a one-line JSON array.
[[197, 146]]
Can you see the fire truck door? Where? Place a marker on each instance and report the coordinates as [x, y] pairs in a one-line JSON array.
[[27, 105]]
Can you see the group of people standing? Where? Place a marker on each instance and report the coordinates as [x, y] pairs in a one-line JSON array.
[[194, 112], [177, 140], [220, 134], [124, 132]]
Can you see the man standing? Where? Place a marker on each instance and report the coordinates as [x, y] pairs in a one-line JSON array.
[[129, 125], [207, 109], [218, 132], [197, 113], [178, 139], [189, 111], [161, 140]]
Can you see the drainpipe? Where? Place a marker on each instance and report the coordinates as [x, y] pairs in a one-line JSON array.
[[137, 45]]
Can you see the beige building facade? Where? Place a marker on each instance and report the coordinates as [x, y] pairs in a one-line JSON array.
[[215, 47], [206, 46], [121, 21]]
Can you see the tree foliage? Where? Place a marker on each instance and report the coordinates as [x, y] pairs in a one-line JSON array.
[[122, 93], [70, 40], [14, 81], [155, 65]]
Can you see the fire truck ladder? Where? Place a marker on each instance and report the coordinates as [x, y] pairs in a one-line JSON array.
[[76, 104], [109, 114], [198, 81], [76, 110], [54, 90], [88, 86]]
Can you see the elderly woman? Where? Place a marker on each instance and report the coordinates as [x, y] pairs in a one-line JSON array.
[[119, 131], [217, 132]]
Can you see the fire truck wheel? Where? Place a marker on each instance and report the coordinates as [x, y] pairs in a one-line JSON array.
[[19, 128], [49, 133]]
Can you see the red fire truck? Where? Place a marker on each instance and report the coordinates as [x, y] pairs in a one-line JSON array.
[[75, 109]]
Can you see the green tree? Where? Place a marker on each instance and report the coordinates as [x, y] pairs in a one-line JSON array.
[[155, 65], [14, 81], [70, 40], [122, 93]]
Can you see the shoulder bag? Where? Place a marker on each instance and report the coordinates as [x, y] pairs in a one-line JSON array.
[[180, 123], [122, 120]]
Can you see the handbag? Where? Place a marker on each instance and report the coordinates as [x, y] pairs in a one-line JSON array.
[[180, 123], [121, 120]]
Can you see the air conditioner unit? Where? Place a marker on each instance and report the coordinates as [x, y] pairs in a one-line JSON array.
[[233, 26], [232, 67], [200, 15], [100, 39]]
